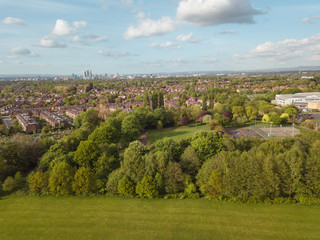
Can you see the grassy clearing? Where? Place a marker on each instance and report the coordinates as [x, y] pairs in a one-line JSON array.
[[119, 218], [175, 132]]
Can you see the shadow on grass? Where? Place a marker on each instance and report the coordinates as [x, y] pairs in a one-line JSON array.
[[170, 134]]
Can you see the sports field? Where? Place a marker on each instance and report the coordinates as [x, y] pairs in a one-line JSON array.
[[175, 132], [120, 218]]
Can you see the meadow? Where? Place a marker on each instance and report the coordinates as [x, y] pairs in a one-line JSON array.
[[175, 133], [31, 217]]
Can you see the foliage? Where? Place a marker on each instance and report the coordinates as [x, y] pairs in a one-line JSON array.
[[84, 182], [60, 180], [87, 154], [147, 188], [39, 183], [13, 184], [126, 187], [173, 178]]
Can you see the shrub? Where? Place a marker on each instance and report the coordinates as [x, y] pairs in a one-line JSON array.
[[190, 191], [84, 182], [38, 183], [60, 181], [147, 188], [126, 187], [12, 184]]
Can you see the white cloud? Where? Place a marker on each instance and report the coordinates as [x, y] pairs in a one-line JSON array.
[[227, 32], [187, 38], [80, 24], [17, 62], [1, 62], [62, 28], [288, 49], [23, 52], [115, 54], [14, 21], [96, 38], [166, 45], [148, 27], [216, 12], [49, 42], [310, 20], [75, 39]]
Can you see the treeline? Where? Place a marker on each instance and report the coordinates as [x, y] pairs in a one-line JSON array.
[[108, 160]]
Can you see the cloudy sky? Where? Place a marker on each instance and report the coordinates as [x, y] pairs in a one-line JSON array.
[[151, 36]]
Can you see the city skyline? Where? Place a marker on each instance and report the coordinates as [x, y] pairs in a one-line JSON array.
[[127, 36]]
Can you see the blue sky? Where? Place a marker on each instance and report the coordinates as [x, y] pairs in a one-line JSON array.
[[140, 36]]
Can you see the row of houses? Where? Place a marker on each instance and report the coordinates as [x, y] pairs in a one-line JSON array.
[[27, 123], [55, 119]]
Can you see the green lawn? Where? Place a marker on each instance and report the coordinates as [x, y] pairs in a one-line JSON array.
[[175, 132], [119, 218]]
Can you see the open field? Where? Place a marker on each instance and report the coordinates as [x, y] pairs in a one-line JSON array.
[[175, 132], [119, 218]]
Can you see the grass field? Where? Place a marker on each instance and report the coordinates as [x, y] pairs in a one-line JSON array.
[[175, 132], [119, 218]]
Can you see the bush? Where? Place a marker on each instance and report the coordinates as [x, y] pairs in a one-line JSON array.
[[12, 184], [147, 188], [113, 180], [60, 181], [190, 191], [126, 187], [84, 182], [39, 183]]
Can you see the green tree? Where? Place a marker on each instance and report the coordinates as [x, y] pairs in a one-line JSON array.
[[147, 188], [39, 183], [206, 144], [133, 164], [190, 162], [60, 180], [161, 99], [204, 102], [105, 134], [154, 100], [251, 112], [131, 128], [126, 187], [84, 182], [87, 154], [173, 178], [146, 100]]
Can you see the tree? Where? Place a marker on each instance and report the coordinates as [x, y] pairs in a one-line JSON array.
[[60, 180], [84, 182], [87, 154], [39, 183], [105, 134], [206, 144], [13, 184], [161, 100], [184, 121], [147, 188], [251, 112], [146, 100], [275, 119], [154, 100], [126, 187], [133, 165], [204, 102], [130, 128], [190, 162], [237, 111], [173, 178], [215, 186]]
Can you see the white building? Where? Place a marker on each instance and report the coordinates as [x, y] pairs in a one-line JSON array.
[[298, 99]]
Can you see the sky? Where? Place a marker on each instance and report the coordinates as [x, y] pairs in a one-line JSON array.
[[140, 36]]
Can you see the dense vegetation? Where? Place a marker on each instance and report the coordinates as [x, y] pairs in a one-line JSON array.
[[107, 158]]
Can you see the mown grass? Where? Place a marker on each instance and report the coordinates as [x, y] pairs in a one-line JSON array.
[[175, 132], [119, 218]]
